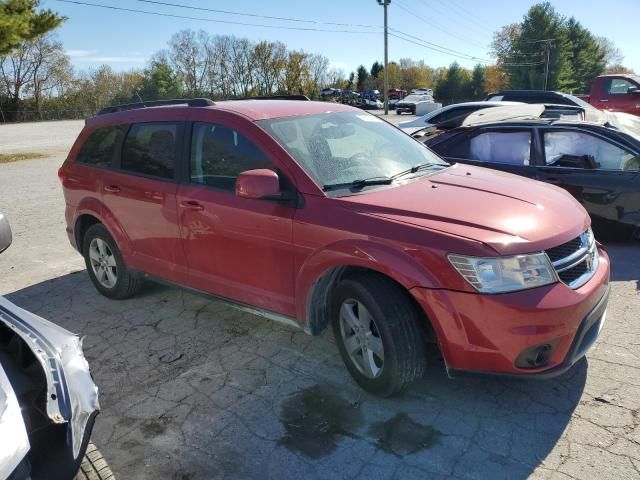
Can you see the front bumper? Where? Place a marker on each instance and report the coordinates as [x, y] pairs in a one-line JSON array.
[[487, 333], [72, 396]]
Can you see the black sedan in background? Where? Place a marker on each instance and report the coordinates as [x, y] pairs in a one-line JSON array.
[[599, 163]]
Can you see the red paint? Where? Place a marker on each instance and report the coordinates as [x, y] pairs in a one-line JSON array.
[[600, 96], [257, 184], [270, 254]]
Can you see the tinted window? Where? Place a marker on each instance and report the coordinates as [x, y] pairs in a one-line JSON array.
[[455, 147], [219, 154], [577, 144], [100, 147], [453, 113], [150, 149], [501, 147]]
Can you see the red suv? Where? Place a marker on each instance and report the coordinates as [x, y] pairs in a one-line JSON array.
[[317, 214]]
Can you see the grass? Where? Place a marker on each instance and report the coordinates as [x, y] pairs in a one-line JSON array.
[[16, 157]]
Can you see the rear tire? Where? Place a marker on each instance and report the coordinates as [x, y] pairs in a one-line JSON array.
[[94, 466], [105, 265], [388, 321]]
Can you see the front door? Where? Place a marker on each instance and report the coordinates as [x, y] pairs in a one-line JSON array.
[[602, 175], [237, 248]]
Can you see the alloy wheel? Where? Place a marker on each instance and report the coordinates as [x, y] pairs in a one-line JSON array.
[[103, 263], [361, 338]]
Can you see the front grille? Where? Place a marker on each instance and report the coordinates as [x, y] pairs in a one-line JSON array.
[[576, 261], [564, 250]]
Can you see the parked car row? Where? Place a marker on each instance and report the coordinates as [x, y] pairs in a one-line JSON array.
[[319, 217]]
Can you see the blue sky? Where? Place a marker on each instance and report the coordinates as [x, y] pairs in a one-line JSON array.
[[125, 40]]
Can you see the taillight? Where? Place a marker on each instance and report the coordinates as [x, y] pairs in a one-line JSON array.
[[61, 174]]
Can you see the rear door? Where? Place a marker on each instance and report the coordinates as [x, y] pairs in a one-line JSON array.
[[509, 149], [236, 247], [611, 191], [140, 194]]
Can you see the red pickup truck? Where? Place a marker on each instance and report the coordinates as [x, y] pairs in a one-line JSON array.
[[616, 93]]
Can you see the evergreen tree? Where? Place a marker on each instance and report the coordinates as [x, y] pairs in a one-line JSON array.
[[20, 21]]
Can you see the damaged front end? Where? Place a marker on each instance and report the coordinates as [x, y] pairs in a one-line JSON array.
[[44, 370]]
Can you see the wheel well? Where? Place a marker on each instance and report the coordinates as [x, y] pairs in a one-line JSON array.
[[82, 225], [319, 306]]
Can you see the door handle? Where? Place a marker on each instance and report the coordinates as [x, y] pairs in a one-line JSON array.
[[191, 204], [603, 100], [112, 188]]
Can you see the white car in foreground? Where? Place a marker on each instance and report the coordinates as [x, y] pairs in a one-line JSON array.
[[48, 400], [444, 114]]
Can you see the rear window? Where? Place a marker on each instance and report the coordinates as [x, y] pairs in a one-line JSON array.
[[150, 149], [100, 147]]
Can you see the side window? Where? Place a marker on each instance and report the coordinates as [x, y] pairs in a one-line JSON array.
[[100, 147], [219, 154], [455, 147], [618, 86], [150, 149], [501, 147], [453, 113], [577, 149]]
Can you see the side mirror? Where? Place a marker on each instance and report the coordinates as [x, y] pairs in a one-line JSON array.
[[5, 233], [258, 184]]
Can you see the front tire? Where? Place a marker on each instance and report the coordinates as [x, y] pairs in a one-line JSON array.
[[378, 332], [105, 265]]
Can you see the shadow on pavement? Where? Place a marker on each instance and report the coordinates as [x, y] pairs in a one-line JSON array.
[[625, 260], [191, 388]]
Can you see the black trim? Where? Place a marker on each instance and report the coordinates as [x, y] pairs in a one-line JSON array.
[[576, 352], [190, 102]]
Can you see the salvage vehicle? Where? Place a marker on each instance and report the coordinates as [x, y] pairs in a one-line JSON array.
[[48, 401], [598, 163], [445, 114], [615, 93], [319, 214], [417, 104], [537, 96]]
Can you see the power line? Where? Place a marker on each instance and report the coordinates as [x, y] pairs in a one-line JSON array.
[[440, 48], [212, 20], [255, 15], [463, 56], [436, 7], [435, 25]]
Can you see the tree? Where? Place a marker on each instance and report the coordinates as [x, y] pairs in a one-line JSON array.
[[478, 81], [362, 76], [575, 55], [587, 56], [455, 86], [612, 54], [160, 82], [495, 79], [19, 21], [49, 66], [376, 69]]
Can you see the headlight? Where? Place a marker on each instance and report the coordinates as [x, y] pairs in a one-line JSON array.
[[505, 274]]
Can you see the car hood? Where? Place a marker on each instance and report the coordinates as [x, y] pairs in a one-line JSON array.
[[72, 395], [510, 213]]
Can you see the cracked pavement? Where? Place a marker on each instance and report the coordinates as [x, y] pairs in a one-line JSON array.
[[192, 388]]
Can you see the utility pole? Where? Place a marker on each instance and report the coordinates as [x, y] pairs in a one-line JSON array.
[[385, 4], [547, 52]]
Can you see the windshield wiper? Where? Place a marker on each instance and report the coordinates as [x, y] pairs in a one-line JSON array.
[[359, 183], [414, 169]]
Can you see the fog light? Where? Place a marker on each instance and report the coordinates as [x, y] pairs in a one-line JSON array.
[[536, 356]]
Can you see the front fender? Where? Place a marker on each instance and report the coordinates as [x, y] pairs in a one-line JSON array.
[[392, 262]]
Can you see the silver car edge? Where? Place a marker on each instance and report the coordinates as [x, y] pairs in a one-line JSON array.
[[48, 400]]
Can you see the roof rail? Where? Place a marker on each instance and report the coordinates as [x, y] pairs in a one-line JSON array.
[[191, 102], [275, 97]]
